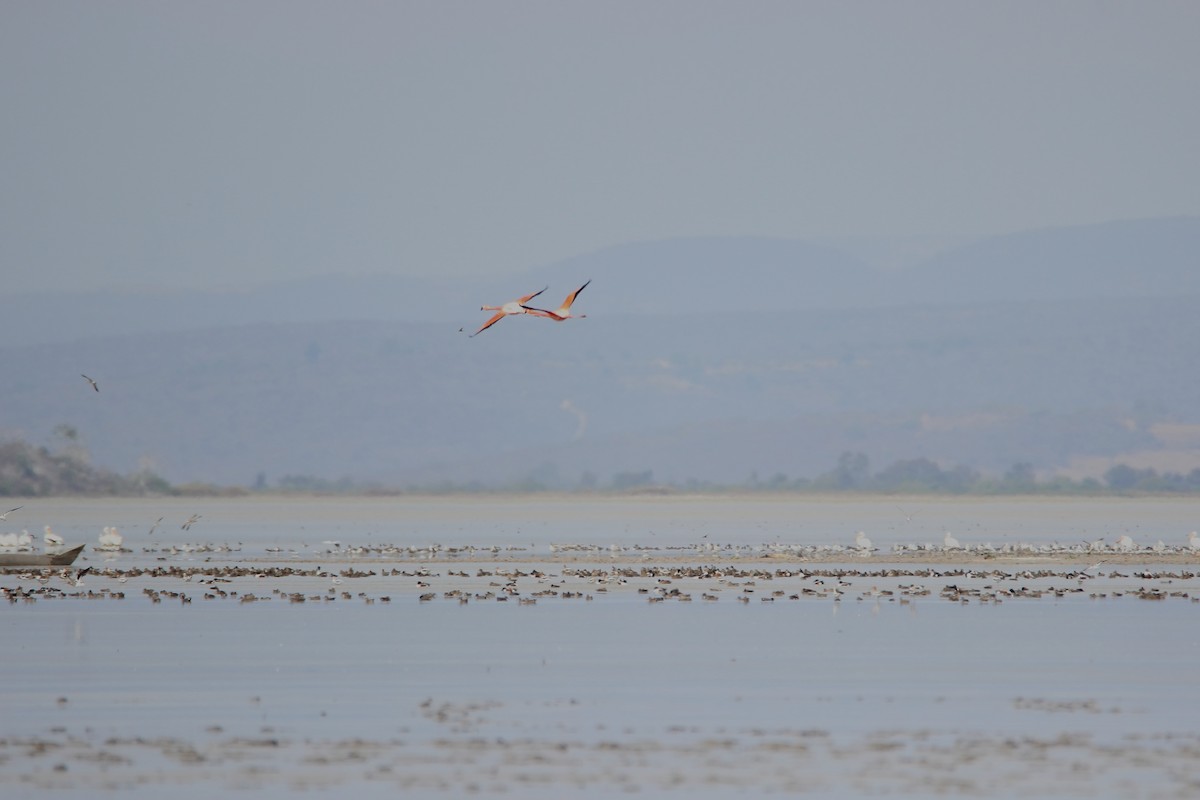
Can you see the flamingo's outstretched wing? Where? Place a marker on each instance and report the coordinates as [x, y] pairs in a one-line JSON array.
[[571, 297], [528, 297], [499, 315], [564, 311]]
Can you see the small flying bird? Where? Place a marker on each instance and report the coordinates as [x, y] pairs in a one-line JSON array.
[[92, 382], [154, 527], [1083, 574], [190, 522], [4, 516], [563, 312], [508, 309]]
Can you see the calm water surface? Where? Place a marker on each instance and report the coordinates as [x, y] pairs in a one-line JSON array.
[[596, 699]]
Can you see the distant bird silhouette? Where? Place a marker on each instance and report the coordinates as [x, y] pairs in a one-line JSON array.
[[508, 309], [92, 382], [154, 527], [563, 312], [187, 526], [4, 516]]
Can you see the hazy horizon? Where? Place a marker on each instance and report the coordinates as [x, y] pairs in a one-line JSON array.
[[964, 232], [229, 144]]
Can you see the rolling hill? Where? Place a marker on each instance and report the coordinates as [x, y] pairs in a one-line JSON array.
[[704, 360]]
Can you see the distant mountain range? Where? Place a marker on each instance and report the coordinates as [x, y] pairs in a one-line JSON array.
[[702, 359], [1139, 258]]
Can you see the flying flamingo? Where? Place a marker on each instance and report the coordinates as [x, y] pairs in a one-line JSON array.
[[564, 311], [512, 307]]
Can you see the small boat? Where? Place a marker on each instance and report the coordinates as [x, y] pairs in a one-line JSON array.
[[59, 559]]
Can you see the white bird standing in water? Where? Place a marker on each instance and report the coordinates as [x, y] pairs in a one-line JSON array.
[[110, 539], [862, 542], [1194, 540], [52, 538], [950, 543]]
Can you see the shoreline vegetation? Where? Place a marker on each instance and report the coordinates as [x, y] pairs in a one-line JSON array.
[[28, 470]]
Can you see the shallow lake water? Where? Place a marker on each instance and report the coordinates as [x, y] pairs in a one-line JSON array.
[[851, 692]]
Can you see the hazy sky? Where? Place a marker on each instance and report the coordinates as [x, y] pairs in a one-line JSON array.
[[189, 144]]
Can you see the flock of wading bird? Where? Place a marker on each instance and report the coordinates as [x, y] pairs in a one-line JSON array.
[[518, 306]]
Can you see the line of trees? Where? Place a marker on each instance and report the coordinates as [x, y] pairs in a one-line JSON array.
[[853, 473], [29, 471], [922, 475]]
